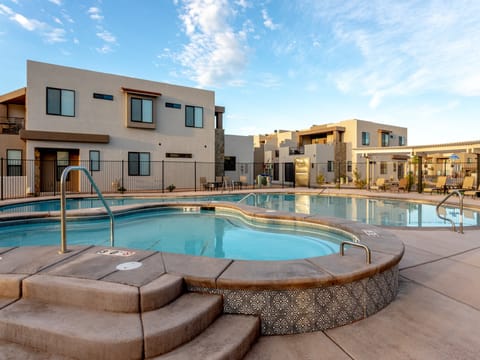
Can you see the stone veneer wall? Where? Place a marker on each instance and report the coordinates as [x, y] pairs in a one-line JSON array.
[[315, 309]]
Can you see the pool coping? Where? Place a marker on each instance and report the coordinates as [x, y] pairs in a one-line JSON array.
[[386, 250]]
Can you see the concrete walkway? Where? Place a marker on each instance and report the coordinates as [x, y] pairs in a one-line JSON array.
[[436, 314]]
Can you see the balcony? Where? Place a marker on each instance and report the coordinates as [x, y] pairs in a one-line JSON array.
[[11, 125]]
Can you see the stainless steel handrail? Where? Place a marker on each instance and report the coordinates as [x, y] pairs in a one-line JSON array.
[[247, 196], [460, 224], [63, 206], [368, 253]]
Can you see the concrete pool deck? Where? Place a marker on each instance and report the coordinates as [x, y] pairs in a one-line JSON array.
[[435, 315]]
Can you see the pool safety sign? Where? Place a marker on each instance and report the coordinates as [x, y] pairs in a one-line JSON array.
[[116, 252]]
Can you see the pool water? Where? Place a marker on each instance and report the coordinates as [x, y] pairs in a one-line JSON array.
[[384, 212], [202, 233]]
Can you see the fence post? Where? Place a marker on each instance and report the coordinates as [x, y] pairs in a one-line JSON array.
[[195, 176], [121, 179], [163, 176], [1, 178]]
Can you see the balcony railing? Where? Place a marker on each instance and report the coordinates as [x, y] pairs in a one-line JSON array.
[[11, 125]]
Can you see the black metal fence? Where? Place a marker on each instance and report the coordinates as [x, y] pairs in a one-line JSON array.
[[22, 178]]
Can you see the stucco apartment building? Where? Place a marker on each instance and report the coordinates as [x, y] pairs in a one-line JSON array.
[[334, 151], [66, 116]]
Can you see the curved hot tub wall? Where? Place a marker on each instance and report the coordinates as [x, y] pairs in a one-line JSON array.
[[293, 296]]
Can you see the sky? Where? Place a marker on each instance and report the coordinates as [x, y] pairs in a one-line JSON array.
[[273, 64]]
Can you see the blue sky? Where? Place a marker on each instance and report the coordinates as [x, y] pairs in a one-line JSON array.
[[273, 64]]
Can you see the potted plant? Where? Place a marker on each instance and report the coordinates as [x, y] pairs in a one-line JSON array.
[[171, 187]]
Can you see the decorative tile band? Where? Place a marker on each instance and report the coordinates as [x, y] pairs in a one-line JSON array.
[[315, 309]]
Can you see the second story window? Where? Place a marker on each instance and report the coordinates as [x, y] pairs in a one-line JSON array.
[[141, 110], [193, 116], [385, 137], [365, 138], [60, 102], [402, 140]]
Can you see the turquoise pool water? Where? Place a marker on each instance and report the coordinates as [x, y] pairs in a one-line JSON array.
[[202, 233], [383, 212]]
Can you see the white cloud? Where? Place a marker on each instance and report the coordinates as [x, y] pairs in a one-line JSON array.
[[95, 14], [28, 24], [268, 22], [106, 36], [55, 35], [403, 48], [49, 33], [56, 2], [216, 53]]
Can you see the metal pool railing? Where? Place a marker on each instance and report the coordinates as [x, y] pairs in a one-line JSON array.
[[63, 206], [460, 196]]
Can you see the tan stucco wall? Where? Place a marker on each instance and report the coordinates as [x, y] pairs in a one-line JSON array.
[[108, 117]]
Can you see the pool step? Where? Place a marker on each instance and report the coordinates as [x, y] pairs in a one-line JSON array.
[[229, 337], [10, 288], [90, 319], [72, 331], [179, 322]]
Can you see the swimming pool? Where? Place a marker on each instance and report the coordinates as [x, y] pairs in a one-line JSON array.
[[374, 211], [189, 231]]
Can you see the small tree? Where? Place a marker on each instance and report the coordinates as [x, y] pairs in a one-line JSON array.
[[358, 181]]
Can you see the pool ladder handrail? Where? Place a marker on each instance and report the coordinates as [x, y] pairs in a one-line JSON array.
[[368, 253], [63, 206], [247, 196], [460, 224]]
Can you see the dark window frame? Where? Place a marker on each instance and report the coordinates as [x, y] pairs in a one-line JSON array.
[[365, 138], [230, 163], [141, 119], [193, 122], [60, 112], [135, 165], [14, 166], [94, 163], [61, 164], [330, 166]]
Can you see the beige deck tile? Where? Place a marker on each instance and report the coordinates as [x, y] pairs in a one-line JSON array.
[[453, 278], [419, 324]]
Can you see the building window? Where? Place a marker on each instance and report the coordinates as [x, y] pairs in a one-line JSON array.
[[330, 166], [14, 162], [141, 110], [103, 96], [349, 166], [173, 105], [60, 102], [385, 139], [383, 167], [139, 164], [402, 140], [230, 163], [365, 138], [94, 160], [194, 116], [62, 163]]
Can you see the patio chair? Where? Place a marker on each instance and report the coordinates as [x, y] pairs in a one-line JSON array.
[[439, 187], [466, 185], [379, 184], [402, 184], [472, 193]]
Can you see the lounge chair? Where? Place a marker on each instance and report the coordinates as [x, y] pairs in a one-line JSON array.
[[472, 193], [379, 184], [466, 185], [402, 184], [205, 185], [439, 187]]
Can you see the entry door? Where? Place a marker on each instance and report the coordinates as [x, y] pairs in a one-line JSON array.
[[401, 171], [47, 171]]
